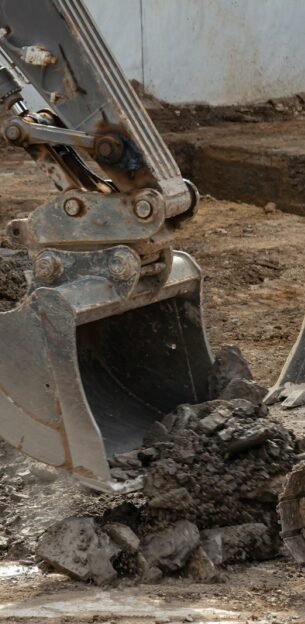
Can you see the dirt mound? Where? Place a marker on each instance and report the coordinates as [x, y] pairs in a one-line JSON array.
[[220, 464], [13, 285], [213, 473]]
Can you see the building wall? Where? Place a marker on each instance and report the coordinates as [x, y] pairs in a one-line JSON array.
[[213, 51]]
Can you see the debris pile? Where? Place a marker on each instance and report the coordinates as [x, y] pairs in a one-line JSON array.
[[219, 464], [13, 284], [212, 475]]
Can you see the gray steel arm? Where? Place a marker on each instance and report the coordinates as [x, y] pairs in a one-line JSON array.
[[57, 46]]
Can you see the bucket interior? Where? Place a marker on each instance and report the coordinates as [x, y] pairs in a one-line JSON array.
[[139, 365]]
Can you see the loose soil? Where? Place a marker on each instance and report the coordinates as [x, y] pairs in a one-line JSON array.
[[252, 261]]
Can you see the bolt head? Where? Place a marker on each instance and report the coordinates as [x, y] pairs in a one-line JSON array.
[[110, 149], [143, 209], [48, 267], [105, 149], [72, 206], [13, 133], [122, 265]]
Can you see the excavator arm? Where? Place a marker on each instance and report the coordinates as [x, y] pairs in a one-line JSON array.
[[110, 335]]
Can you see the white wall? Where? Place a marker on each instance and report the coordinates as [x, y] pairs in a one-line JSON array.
[[120, 24], [214, 51], [223, 51]]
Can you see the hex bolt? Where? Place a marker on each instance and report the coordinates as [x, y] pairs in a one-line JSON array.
[[13, 133], [143, 209], [73, 206], [105, 149], [110, 149], [48, 267], [122, 265]]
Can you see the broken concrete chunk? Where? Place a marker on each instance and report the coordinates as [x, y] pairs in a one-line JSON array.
[[238, 543], [45, 474], [212, 545], [185, 416], [178, 498], [244, 408], [200, 567], [154, 574], [100, 568], [125, 460], [4, 542], [74, 547], [244, 389], [214, 421], [147, 574], [123, 536], [171, 548], [119, 474], [208, 407], [228, 364], [238, 441]]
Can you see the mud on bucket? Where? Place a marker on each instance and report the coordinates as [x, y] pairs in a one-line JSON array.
[[93, 383]]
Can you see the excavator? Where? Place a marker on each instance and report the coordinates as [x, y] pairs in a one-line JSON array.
[[110, 334]]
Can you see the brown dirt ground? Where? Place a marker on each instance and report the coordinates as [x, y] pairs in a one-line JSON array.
[[254, 273]]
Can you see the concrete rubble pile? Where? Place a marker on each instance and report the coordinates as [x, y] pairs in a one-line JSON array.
[[212, 474]]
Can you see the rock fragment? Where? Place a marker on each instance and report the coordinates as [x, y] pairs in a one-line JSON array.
[[200, 567], [220, 472], [214, 421], [74, 546], [247, 409], [147, 455], [244, 389], [45, 474], [171, 548], [238, 440], [125, 460], [229, 364], [178, 498], [4, 543], [119, 474], [123, 536], [238, 543]]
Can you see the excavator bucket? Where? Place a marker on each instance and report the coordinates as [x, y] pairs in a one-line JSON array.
[[86, 368], [290, 386], [110, 335]]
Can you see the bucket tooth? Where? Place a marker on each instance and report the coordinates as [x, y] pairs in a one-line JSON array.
[[98, 364]]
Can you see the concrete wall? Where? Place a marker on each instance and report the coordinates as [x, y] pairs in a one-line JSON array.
[[223, 51], [214, 51]]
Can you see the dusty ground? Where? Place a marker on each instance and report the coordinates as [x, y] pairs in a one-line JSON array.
[[253, 264]]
